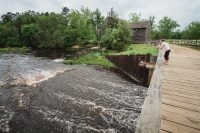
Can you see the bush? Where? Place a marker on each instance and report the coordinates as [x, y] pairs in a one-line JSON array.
[[91, 59], [117, 38], [23, 49]]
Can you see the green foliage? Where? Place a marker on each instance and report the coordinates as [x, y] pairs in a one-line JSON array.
[[9, 36], [152, 21], [192, 31], [134, 17], [111, 22], [14, 50], [177, 35], [111, 39], [45, 30], [112, 19], [70, 27], [65, 11], [8, 17], [97, 21], [166, 27], [116, 38], [91, 59], [30, 34], [81, 29], [155, 34], [135, 49], [51, 31]]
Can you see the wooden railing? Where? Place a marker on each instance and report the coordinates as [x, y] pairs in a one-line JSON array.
[[194, 43], [150, 118]]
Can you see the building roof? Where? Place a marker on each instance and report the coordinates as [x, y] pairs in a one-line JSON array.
[[139, 25]]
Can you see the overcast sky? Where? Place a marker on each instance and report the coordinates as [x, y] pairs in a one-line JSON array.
[[183, 11]]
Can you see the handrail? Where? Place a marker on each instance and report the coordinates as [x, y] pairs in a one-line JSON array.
[[150, 118], [185, 42]]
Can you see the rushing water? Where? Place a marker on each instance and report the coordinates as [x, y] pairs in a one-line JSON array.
[[39, 95]]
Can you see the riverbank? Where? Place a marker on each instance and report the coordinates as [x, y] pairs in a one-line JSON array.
[[91, 59], [100, 59], [23, 49], [139, 49]]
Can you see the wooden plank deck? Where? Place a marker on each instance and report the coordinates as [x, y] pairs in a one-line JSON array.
[[181, 92]]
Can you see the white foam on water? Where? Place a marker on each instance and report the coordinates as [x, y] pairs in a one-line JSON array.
[[44, 75], [56, 116], [58, 60], [105, 82], [2, 83], [110, 130], [91, 105], [119, 98], [4, 119], [29, 70], [38, 76], [122, 116]]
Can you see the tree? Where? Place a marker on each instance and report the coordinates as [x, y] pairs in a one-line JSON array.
[[192, 31], [8, 17], [112, 19], [135, 17], [30, 36], [153, 32], [65, 11], [9, 36], [51, 31], [152, 21], [117, 38], [177, 34], [81, 29], [98, 19], [167, 26]]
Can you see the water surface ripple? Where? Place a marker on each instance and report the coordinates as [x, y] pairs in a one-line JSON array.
[[42, 96]]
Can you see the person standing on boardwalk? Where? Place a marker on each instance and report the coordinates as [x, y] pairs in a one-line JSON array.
[[165, 46]]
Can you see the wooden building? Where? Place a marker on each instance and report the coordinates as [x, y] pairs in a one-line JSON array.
[[141, 32]]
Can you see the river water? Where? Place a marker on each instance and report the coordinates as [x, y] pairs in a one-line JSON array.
[[41, 95]]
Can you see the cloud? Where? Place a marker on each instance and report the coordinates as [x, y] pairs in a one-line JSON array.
[[183, 11]]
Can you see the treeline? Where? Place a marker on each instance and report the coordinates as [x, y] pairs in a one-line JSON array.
[[82, 27], [167, 28], [70, 27]]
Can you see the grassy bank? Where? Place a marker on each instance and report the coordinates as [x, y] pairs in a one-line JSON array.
[[99, 59], [91, 59], [135, 49], [14, 50]]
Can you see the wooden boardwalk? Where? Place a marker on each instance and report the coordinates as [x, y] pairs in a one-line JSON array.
[[181, 92]]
